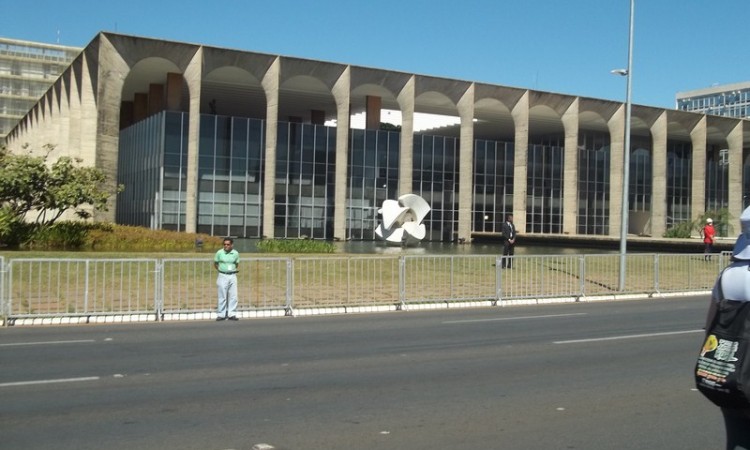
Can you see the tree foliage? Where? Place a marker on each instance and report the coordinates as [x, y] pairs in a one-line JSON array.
[[34, 189], [722, 222]]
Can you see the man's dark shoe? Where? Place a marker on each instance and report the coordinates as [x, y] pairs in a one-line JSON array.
[[234, 318], [219, 319]]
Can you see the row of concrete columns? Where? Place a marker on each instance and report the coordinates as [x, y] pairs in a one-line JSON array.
[[83, 116]]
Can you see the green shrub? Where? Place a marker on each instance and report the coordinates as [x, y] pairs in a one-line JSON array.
[[109, 237], [295, 246], [58, 236], [722, 222], [681, 230], [77, 235], [13, 231]]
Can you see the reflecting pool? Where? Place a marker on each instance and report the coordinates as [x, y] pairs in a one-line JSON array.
[[440, 248]]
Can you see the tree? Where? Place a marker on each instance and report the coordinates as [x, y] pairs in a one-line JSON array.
[[31, 185]]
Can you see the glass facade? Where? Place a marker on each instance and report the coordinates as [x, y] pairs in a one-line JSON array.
[[230, 176], [593, 183], [153, 160], [717, 178], [435, 179], [153, 168], [372, 178], [679, 180], [544, 183], [640, 183], [174, 187], [493, 185], [732, 103], [139, 170], [305, 177]]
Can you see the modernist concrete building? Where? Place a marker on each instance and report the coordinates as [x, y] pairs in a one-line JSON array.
[[239, 143], [27, 70], [728, 100]]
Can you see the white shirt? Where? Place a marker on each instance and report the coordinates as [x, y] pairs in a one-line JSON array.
[[735, 282]]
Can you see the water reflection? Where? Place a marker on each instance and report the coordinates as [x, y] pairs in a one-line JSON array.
[[438, 248], [442, 248]]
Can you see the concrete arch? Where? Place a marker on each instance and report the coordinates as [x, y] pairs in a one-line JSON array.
[[145, 72], [434, 102], [316, 107], [131, 50], [232, 91], [145, 90], [438, 95], [435, 110], [494, 120], [592, 121], [316, 82], [718, 130], [388, 96], [677, 131], [380, 98], [545, 122]]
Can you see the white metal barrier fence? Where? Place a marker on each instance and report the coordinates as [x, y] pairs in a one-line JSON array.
[[83, 290]]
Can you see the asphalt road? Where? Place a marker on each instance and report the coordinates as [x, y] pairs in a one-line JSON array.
[[605, 375]]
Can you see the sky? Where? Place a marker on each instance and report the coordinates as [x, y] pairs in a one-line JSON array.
[[569, 47]]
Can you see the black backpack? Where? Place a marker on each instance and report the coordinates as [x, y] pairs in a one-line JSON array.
[[722, 372]]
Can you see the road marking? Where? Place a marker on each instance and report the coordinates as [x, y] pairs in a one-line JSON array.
[[47, 343], [631, 336], [515, 318], [60, 380]]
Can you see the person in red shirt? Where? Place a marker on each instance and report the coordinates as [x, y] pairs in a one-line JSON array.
[[708, 233]]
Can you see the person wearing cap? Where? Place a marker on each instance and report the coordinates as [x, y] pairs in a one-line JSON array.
[[708, 233], [734, 284]]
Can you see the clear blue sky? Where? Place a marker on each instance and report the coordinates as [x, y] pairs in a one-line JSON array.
[[550, 45]]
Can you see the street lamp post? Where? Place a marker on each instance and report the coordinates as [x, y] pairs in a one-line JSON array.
[[628, 73]]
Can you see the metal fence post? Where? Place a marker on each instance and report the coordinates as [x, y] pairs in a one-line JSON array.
[[453, 268], [657, 259], [582, 278], [3, 314], [86, 288], [289, 287], [402, 281], [498, 280], [9, 307], [348, 278], [159, 289]]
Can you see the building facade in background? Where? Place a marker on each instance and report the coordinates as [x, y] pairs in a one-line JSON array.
[[27, 70], [255, 145], [728, 100]]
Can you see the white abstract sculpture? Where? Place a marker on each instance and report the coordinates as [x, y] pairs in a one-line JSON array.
[[402, 220]]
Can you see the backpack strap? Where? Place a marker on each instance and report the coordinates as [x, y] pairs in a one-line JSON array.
[[713, 310]]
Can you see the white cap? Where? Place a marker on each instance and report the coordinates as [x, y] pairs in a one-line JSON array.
[[742, 246], [709, 220]]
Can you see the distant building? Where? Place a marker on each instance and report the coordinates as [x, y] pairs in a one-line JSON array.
[[27, 70], [728, 100]]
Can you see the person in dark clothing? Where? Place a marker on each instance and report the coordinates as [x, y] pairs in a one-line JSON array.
[[509, 241]]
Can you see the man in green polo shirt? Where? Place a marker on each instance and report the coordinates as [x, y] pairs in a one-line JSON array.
[[226, 261]]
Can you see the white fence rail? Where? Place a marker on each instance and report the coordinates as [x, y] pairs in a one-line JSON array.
[[50, 290]]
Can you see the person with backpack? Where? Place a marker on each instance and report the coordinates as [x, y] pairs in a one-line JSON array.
[[723, 368]]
